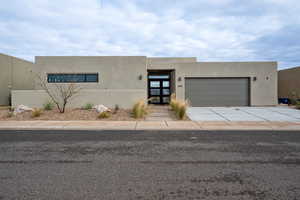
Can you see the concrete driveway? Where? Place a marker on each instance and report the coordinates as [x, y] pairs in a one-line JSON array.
[[243, 114]]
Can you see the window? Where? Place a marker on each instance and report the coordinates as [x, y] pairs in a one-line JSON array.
[[166, 83], [155, 91], [159, 76], [155, 84], [166, 91], [72, 78]]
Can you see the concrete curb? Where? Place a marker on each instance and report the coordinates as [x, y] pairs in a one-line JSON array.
[[149, 125]]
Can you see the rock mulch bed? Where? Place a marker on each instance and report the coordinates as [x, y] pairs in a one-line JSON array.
[[69, 115]]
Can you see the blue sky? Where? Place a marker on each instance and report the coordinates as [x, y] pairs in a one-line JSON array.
[[211, 30]]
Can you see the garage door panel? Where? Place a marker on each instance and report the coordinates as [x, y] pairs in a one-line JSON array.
[[217, 91]]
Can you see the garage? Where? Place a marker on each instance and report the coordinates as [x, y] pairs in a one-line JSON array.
[[217, 91]]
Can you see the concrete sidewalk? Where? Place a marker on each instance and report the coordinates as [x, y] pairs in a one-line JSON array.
[[147, 125]]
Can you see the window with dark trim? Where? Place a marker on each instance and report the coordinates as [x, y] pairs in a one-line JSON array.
[[73, 78]]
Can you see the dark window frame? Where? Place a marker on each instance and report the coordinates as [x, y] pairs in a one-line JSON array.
[[85, 80]]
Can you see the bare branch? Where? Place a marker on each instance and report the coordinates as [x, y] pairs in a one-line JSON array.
[[60, 93]]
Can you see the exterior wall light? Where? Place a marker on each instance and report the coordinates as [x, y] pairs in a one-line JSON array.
[[140, 77], [254, 78], [179, 79]]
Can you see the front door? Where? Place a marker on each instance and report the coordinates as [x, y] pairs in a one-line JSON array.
[[159, 88]]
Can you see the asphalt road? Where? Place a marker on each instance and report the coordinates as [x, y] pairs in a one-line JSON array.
[[149, 165]]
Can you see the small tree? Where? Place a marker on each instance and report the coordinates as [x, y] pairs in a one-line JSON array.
[[60, 93]]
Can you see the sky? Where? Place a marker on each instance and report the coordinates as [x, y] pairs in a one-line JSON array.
[[211, 30]]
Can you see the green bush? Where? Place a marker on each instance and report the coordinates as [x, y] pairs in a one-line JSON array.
[[140, 109], [104, 115], [88, 106], [48, 106], [36, 112]]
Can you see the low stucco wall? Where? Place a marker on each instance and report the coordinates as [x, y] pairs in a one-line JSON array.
[[124, 98]]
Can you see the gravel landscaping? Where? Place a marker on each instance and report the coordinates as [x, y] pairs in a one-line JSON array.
[[71, 114]]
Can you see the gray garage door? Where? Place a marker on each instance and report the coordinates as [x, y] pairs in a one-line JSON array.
[[217, 91]]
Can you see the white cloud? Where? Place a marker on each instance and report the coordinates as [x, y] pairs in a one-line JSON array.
[[211, 30]]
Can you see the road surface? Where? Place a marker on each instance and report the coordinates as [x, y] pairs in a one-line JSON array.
[[149, 165]]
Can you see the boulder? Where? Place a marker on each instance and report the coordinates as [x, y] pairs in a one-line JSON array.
[[101, 108], [21, 109]]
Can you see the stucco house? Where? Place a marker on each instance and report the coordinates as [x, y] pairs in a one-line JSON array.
[[123, 80], [289, 82]]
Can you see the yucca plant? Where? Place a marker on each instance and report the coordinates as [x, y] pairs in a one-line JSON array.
[[140, 109], [36, 112]]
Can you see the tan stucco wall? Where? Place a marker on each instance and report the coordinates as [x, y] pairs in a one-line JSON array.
[[119, 81], [288, 82], [262, 91], [119, 78], [15, 74], [124, 98], [169, 60], [115, 72]]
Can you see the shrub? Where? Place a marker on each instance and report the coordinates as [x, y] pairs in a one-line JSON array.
[[9, 114], [179, 107], [104, 115], [48, 106], [36, 112], [298, 105], [117, 108], [88, 106], [181, 110], [139, 109], [293, 96]]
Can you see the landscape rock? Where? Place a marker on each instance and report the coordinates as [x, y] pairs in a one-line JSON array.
[[101, 108], [21, 109]]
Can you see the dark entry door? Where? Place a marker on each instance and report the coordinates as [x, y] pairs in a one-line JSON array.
[[159, 88]]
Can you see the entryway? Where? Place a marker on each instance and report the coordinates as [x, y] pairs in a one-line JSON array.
[[160, 113], [159, 87]]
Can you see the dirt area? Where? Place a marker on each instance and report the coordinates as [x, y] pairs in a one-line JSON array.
[[69, 115], [77, 114]]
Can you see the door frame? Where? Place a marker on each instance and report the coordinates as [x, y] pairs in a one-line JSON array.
[[161, 95]]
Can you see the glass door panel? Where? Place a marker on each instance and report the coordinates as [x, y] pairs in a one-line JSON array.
[[159, 88], [166, 83], [154, 84]]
